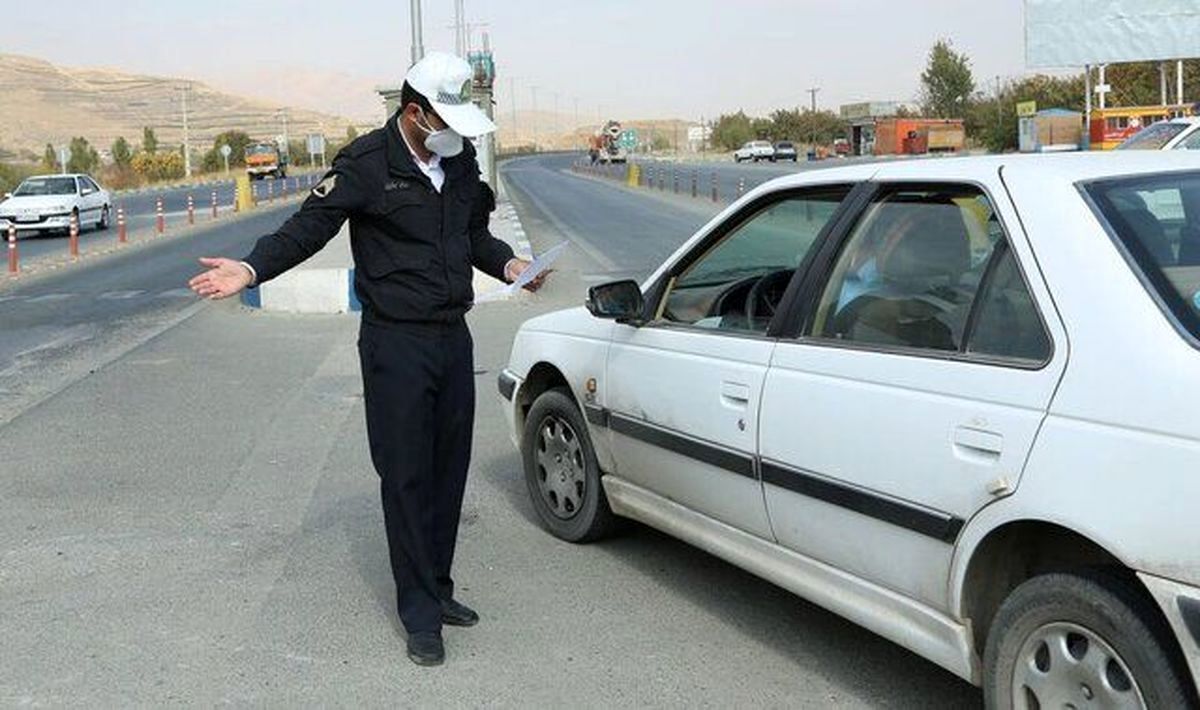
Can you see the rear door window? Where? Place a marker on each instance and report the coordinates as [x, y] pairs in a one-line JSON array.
[[1156, 219]]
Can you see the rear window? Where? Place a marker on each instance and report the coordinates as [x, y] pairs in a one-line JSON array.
[[1157, 219], [1153, 137]]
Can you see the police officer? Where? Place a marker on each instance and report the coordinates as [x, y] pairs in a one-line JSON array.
[[418, 222]]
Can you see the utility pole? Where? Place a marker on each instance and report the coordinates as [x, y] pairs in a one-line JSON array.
[[512, 99], [999, 110], [418, 46], [813, 95], [460, 44], [533, 116], [187, 148], [575, 127], [555, 127]]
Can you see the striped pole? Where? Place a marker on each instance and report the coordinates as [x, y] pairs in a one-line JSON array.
[[191, 210], [714, 186], [160, 221], [122, 237], [13, 264], [741, 186], [74, 241], [214, 204], [695, 180]]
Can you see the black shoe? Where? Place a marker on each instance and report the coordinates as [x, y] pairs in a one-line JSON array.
[[457, 614], [425, 648]]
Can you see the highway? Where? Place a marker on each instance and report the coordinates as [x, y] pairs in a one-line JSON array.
[[188, 504], [140, 211]]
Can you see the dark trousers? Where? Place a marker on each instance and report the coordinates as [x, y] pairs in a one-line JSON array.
[[419, 387]]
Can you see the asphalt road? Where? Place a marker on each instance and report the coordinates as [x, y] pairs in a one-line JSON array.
[[140, 213], [59, 324], [188, 513]]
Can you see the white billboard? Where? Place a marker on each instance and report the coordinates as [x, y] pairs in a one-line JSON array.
[[1073, 33]]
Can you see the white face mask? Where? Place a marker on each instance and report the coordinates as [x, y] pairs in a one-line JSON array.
[[447, 142]]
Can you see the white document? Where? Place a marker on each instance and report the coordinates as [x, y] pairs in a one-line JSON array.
[[536, 267]]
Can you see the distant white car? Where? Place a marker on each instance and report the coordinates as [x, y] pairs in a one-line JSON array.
[[953, 401], [47, 202], [754, 150], [1172, 134]]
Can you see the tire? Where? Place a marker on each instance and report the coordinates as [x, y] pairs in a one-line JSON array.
[[103, 222], [1096, 617], [556, 433]]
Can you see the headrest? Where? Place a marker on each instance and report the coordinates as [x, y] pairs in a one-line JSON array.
[[926, 242]]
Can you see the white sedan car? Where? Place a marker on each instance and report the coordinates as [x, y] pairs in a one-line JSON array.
[[756, 151], [953, 401], [1171, 134], [48, 202]]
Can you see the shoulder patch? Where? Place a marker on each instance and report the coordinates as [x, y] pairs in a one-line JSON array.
[[326, 186]]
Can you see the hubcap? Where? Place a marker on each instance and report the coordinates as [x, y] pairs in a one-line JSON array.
[[561, 478], [1064, 665]]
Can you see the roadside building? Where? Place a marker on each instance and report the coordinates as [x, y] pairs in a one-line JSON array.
[[887, 128], [1050, 130]]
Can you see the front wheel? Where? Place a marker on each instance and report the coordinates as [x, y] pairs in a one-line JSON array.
[[561, 472], [1065, 640], [102, 223]]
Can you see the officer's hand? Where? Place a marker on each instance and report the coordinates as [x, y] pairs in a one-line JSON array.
[[516, 266], [224, 278]]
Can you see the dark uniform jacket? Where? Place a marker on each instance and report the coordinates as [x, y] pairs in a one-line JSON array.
[[413, 247]]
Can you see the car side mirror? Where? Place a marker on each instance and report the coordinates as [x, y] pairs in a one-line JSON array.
[[620, 301]]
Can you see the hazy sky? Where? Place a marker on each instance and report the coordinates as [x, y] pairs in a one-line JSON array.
[[624, 58]]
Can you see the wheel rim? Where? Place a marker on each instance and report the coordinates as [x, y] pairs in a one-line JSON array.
[[561, 473], [1065, 665], [104, 217]]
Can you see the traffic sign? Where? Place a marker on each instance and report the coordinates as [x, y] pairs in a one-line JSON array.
[[226, 151], [628, 139]]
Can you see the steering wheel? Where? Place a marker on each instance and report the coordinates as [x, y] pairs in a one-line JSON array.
[[766, 293]]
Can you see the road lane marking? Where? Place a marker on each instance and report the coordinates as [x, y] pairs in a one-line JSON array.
[[120, 295], [50, 297]]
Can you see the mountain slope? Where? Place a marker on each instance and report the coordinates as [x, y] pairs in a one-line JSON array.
[[44, 103]]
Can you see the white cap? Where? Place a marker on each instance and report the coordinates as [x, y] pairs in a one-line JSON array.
[[445, 80]]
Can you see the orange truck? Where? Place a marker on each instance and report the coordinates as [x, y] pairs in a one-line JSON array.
[[263, 159]]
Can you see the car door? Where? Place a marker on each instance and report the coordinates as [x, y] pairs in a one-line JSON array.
[[90, 201], [684, 389], [921, 369]]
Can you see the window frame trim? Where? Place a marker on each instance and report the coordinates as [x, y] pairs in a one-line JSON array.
[[655, 295], [797, 330]]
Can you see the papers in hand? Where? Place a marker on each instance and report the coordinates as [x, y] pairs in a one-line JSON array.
[[531, 272]]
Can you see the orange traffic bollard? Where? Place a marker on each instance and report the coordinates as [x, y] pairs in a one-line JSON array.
[[214, 204], [191, 210], [121, 234], [13, 265], [159, 220], [695, 179], [270, 192], [714, 186], [74, 241], [675, 180], [741, 186]]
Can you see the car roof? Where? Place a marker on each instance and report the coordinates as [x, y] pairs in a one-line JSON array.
[[56, 175], [1059, 167]]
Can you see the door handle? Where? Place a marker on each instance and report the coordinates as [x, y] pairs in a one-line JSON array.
[[735, 394], [978, 443]]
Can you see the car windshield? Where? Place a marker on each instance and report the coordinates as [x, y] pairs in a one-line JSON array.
[[1153, 137], [46, 186], [783, 145], [259, 150], [1157, 219]]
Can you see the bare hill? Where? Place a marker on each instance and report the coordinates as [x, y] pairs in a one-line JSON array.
[[45, 103]]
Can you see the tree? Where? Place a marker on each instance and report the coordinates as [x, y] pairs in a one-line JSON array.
[[121, 152], [158, 166], [732, 130], [351, 133], [238, 141], [946, 83], [84, 158], [992, 120], [149, 140], [50, 157], [821, 127]]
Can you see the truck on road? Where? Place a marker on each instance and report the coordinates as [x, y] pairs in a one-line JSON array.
[[263, 159], [606, 145]]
